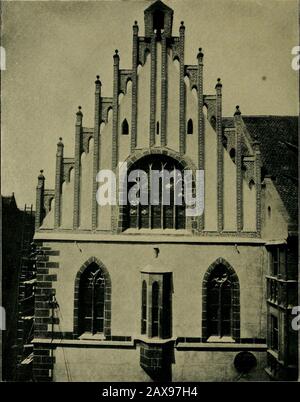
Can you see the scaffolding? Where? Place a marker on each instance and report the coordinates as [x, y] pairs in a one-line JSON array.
[[26, 290]]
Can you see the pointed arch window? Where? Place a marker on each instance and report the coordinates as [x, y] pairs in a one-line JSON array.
[[219, 302], [125, 127], [91, 300], [190, 128], [157, 127]]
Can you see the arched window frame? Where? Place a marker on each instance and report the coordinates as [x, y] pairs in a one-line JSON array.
[[132, 163], [125, 127], [190, 128], [157, 216], [107, 297], [235, 299]]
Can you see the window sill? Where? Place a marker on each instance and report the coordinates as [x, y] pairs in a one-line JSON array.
[[96, 343], [92, 337], [178, 232], [228, 346], [218, 339]]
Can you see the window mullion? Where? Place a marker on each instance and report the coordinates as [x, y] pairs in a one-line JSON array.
[[93, 307], [174, 203], [220, 313]]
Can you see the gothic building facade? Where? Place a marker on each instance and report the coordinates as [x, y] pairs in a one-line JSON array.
[[146, 292]]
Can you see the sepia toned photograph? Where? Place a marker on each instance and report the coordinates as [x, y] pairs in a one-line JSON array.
[[149, 193]]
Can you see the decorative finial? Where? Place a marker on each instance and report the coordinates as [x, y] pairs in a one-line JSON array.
[[200, 54], [60, 146], [116, 56], [79, 115], [219, 85], [97, 82], [41, 176], [237, 111]]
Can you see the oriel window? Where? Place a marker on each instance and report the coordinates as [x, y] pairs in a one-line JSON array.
[[156, 309]]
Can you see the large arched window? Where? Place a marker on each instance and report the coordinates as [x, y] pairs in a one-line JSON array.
[[160, 202], [92, 300], [155, 309], [221, 302]]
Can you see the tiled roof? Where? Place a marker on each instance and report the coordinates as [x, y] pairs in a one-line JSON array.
[[278, 138]]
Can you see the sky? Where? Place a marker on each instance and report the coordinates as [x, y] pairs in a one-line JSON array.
[[55, 49]]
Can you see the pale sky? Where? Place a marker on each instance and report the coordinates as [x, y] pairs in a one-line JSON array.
[[54, 50]]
